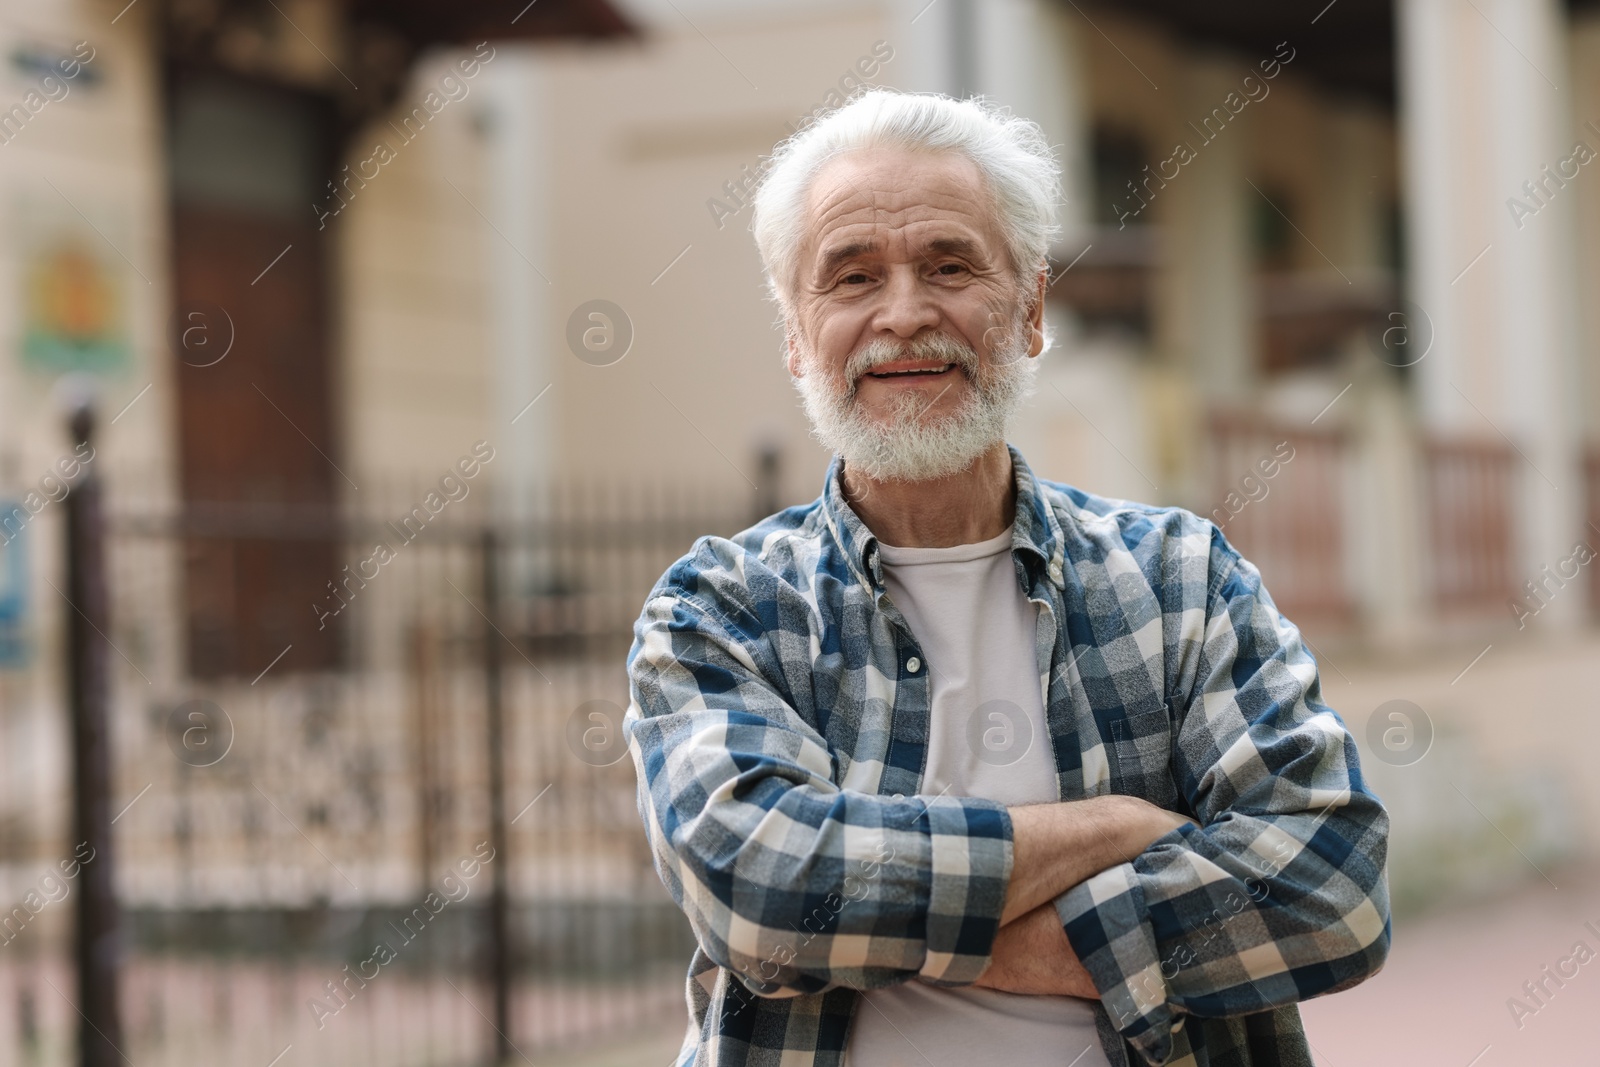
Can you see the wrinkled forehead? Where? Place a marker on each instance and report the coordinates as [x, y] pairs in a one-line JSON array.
[[899, 203]]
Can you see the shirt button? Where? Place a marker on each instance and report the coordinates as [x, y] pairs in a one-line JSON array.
[[913, 665]]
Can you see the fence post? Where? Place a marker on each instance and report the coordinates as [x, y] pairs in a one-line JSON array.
[[96, 943], [768, 464], [499, 932]]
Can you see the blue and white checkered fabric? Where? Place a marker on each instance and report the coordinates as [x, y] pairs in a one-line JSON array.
[[779, 726]]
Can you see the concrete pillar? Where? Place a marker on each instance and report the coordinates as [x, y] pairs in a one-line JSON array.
[[1585, 67], [1210, 328], [1354, 163], [1484, 109], [1389, 555], [929, 48], [1537, 327], [1029, 58], [1023, 54], [1441, 239], [519, 203]]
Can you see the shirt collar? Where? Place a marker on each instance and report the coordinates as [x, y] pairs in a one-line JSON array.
[[1036, 538]]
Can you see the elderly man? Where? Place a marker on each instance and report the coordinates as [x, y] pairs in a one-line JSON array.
[[955, 765]]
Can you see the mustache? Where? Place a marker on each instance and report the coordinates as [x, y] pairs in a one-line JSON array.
[[940, 347]]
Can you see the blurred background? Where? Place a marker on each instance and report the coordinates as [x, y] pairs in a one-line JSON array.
[[410, 343]]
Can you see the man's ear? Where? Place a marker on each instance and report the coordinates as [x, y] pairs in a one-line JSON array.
[[792, 360], [1036, 317]]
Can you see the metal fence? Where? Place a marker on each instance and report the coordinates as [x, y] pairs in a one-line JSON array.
[[306, 851]]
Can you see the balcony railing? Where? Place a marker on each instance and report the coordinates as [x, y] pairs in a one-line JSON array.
[[1468, 552], [1105, 276], [1305, 320], [1278, 495]]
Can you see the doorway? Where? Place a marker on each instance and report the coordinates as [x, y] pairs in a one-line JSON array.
[[256, 425]]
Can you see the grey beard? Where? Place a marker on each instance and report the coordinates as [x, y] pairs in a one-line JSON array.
[[905, 445]]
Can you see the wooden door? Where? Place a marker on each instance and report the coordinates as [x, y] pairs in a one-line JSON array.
[[257, 435]]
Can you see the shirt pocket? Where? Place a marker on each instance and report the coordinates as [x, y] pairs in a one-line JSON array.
[[1141, 757]]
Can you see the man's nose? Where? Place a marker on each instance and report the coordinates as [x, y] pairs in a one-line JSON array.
[[907, 306]]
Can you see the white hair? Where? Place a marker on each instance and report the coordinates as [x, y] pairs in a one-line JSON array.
[[1011, 153]]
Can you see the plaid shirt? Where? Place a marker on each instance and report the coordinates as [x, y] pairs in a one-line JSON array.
[[779, 726]]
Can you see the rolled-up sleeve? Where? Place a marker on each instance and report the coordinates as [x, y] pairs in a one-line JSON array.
[[789, 881], [1278, 895]]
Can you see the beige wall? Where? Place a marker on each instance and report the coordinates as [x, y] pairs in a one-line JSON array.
[[648, 135], [100, 146], [412, 271]]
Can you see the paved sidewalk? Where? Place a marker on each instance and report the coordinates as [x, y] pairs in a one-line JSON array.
[[1442, 998], [656, 1048]]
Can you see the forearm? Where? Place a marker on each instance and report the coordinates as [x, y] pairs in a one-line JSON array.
[[788, 880], [1033, 956], [1225, 923], [796, 888], [1225, 893], [1057, 846]]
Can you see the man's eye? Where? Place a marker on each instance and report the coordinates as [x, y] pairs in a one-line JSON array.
[[951, 268], [854, 278]]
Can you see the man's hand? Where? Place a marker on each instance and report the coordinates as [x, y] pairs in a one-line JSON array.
[[1033, 956], [1056, 846]]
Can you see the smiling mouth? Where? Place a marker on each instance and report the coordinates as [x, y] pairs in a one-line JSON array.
[[924, 372]]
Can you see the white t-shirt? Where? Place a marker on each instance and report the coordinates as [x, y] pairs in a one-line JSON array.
[[987, 738]]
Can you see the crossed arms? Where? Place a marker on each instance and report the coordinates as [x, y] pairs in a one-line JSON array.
[[1056, 847]]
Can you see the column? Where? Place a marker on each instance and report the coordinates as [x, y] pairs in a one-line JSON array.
[[928, 46], [1023, 54], [1211, 274], [1537, 312], [519, 203], [1484, 94], [1029, 59]]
